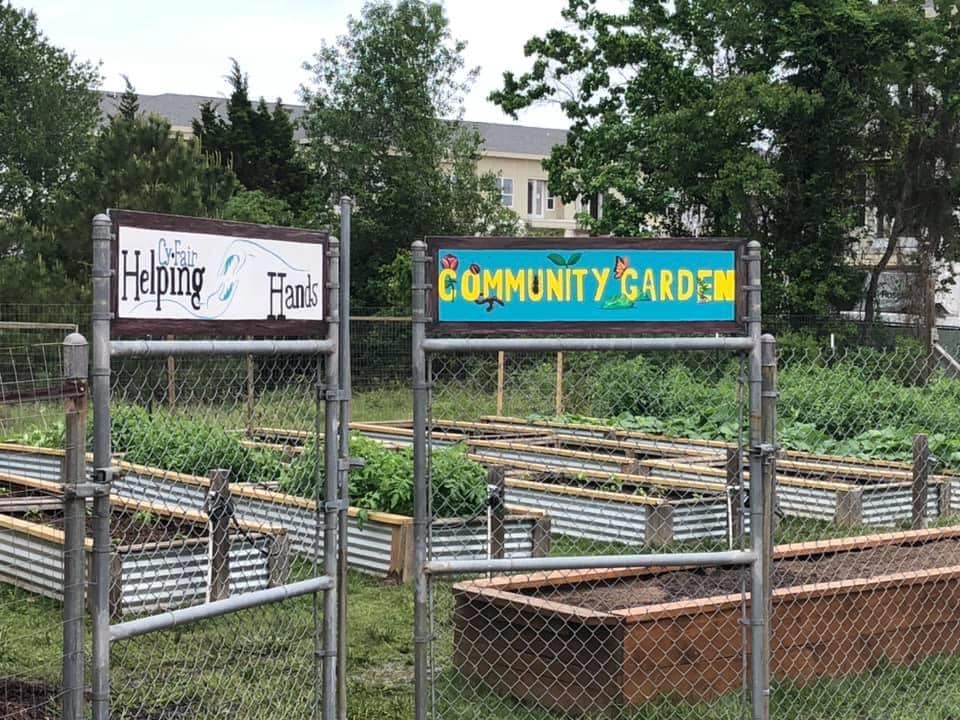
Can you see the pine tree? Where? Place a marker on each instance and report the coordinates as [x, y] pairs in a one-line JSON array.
[[256, 142]]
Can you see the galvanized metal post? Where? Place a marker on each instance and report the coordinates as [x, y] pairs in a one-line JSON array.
[[421, 492], [346, 205], [74, 522], [769, 441], [331, 515], [102, 462], [759, 660]]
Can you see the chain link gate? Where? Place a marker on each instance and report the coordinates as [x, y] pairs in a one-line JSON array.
[[595, 575], [214, 568]]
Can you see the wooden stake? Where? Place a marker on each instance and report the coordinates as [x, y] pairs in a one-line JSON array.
[[251, 395], [501, 379], [558, 400], [171, 380], [217, 507], [921, 471]]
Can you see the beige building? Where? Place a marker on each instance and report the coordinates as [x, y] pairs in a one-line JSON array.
[[514, 153]]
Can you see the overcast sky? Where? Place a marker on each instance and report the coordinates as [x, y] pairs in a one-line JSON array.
[[184, 46]]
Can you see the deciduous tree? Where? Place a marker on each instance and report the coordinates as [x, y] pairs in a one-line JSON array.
[[716, 117], [382, 121]]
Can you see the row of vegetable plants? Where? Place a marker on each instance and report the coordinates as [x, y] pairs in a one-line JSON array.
[[194, 446]]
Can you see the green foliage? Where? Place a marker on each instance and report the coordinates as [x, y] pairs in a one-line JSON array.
[[385, 482], [865, 403], [757, 120], [257, 143], [48, 112], [186, 445], [47, 436], [255, 206], [376, 128]]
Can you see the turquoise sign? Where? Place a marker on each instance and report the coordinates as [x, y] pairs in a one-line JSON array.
[[588, 285]]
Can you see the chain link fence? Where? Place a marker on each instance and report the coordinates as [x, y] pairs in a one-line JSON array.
[[603, 476], [205, 506], [532, 455]]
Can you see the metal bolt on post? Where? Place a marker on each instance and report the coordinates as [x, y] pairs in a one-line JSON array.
[[75, 350]]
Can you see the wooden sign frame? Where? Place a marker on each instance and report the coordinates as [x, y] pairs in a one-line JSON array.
[[568, 328], [141, 327]]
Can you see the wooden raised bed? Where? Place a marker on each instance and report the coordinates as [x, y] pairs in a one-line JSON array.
[[571, 640], [381, 544], [160, 554]]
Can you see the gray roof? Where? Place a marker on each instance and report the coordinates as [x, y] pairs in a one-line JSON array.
[[501, 137], [180, 110]]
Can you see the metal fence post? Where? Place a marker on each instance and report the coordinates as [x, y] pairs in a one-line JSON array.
[[343, 351], [769, 440], [759, 659], [330, 472], [421, 520], [74, 515], [100, 378]]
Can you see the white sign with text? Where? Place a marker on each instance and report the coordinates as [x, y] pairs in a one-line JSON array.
[[174, 275]]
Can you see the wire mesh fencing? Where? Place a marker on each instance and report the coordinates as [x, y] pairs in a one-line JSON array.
[[864, 569], [533, 455], [616, 472], [209, 503], [34, 395]]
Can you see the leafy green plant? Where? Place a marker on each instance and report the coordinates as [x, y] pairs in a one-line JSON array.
[[52, 435], [385, 482], [187, 445]]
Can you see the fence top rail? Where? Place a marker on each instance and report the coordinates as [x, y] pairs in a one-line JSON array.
[[22, 325], [128, 348], [637, 344], [505, 565]]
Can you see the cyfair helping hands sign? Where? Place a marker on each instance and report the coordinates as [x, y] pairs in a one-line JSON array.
[[639, 284]]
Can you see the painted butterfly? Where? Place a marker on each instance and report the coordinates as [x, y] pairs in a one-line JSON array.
[[619, 265]]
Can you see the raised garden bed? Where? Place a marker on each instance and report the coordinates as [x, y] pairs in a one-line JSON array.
[[160, 554], [380, 544], [587, 641], [620, 517], [849, 492]]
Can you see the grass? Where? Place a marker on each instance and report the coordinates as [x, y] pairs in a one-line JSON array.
[[258, 663]]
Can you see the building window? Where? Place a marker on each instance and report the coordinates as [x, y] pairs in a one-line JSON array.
[[536, 194], [505, 186], [551, 202]]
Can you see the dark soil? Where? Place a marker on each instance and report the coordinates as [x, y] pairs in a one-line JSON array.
[[126, 527], [693, 584], [20, 700]]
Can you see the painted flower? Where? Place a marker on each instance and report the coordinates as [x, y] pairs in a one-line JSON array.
[[450, 262]]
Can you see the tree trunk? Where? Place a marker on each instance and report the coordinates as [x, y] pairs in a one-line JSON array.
[[896, 227]]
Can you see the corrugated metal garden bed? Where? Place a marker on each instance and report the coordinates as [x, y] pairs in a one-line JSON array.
[[379, 543], [160, 554], [849, 492]]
